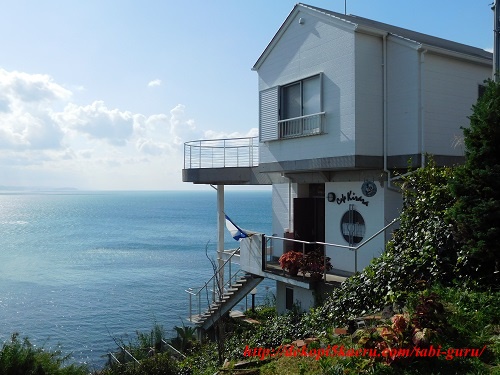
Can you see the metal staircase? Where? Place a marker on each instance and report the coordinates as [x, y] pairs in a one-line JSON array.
[[212, 304]]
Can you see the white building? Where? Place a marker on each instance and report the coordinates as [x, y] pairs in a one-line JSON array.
[[344, 103]]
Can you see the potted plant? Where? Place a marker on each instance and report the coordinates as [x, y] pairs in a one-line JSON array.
[[291, 261], [315, 263]]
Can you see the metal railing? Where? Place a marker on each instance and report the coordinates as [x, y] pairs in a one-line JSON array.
[[304, 244], [172, 349], [221, 153], [301, 126], [214, 294]]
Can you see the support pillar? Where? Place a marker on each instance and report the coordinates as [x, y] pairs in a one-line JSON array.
[[221, 221]]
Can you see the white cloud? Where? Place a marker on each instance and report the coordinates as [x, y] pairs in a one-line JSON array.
[[25, 111], [154, 83], [97, 121], [210, 134], [45, 139], [31, 88], [181, 129], [148, 146]]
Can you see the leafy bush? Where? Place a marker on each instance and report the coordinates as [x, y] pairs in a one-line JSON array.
[[476, 189], [22, 358], [422, 250], [160, 364]]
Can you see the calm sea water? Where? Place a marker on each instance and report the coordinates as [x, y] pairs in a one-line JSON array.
[[78, 269]]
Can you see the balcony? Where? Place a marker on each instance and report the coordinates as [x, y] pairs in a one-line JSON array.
[[301, 126], [259, 255], [229, 161], [221, 153]]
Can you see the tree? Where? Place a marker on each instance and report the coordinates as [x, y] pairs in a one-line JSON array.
[[476, 189]]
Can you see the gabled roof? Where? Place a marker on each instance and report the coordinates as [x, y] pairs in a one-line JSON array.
[[424, 40]]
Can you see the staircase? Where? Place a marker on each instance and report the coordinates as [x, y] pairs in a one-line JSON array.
[[239, 285]]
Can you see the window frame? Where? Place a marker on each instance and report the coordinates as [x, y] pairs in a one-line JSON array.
[[301, 81], [305, 124]]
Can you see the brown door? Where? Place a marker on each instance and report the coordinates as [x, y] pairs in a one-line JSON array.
[[309, 220]]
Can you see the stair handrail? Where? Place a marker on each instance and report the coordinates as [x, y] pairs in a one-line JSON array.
[[170, 347], [216, 272], [130, 354], [231, 278], [191, 292]]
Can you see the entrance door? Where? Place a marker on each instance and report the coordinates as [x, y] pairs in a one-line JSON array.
[[309, 220]]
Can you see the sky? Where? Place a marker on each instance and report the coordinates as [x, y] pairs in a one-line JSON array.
[[102, 94]]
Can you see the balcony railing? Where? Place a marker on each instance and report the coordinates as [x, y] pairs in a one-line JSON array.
[[222, 153], [301, 126], [260, 254]]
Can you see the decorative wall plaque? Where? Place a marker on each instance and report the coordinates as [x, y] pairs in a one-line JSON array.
[[369, 188]]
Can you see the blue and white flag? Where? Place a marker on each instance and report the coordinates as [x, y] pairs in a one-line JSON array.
[[236, 232]]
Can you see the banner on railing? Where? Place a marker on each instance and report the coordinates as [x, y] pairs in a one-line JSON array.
[[236, 232]]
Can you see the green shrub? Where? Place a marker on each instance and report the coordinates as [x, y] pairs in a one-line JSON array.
[[422, 250], [160, 364], [476, 189], [22, 358]]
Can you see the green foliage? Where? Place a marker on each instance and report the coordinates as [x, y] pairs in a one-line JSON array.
[[203, 361], [185, 339], [476, 189], [22, 358], [261, 313], [422, 250], [160, 364], [292, 366]]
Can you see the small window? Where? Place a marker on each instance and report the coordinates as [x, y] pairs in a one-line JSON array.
[[289, 298], [300, 108], [352, 227]]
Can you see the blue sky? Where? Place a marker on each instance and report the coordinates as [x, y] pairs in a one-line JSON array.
[[101, 94]]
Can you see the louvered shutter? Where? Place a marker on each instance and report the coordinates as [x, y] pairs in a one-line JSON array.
[[268, 114]]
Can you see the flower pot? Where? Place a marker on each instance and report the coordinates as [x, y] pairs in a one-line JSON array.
[[316, 276], [293, 271]]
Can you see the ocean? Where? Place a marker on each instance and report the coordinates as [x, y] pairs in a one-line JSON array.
[[78, 269]]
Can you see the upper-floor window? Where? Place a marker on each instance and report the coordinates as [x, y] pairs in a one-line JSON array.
[[301, 98], [300, 111], [291, 110]]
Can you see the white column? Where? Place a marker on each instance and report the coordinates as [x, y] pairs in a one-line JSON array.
[[221, 221]]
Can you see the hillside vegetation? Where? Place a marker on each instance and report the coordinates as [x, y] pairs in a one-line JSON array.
[[439, 275]]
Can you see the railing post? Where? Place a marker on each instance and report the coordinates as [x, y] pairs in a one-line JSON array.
[[224, 148], [303, 254], [190, 310], [324, 262], [355, 260], [250, 151], [264, 251], [199, 157], [199, 303]]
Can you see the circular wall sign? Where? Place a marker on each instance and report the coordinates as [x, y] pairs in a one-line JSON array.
[[352, 227], [369, 188]]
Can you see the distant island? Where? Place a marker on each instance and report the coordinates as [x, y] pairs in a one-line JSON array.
[[4, 188]]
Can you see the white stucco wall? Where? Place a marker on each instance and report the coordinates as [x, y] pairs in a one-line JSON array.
[[451, 88], [402, 97], [282, 196], [304, 297], [369, 95], [302, 51], [373, 214]]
